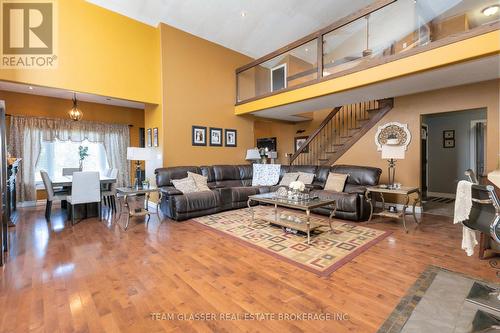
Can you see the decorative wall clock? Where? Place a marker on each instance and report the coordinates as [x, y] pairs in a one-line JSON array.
[[393, 130]]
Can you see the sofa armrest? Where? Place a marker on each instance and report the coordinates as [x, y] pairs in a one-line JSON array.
[[358, 189], [170, 190]]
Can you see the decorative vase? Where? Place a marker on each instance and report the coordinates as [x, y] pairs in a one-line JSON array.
[[80, 165]]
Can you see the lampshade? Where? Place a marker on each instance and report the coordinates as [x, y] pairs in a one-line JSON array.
[[393, 152], [252, 154], [272, 154], [140, 154]]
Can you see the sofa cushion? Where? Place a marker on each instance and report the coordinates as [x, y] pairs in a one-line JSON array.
[[288, 178], [164, 176], [359, 175], [266, 174], [246, 174], [208, 172], [199, 180], [347, 202], [227, 175], [185, 185], [196, 201], [322, 173], [336, 182], [303, 168], [242, 193], [306, 178]]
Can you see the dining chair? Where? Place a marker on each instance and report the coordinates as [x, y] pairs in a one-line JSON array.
[[86, 188], [51, 193], [70, 171], [109, 194]]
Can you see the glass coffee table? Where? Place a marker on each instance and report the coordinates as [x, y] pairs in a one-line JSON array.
[[285, 220]]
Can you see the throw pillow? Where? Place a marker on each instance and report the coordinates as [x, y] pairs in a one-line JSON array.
[[288, 178], [336, 182], [199, 180], [266, 174], [185, 185], [306, 178]]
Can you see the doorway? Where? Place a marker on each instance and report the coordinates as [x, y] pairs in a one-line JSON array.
[[451, 143]]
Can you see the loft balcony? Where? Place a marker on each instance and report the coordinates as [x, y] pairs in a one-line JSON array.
[[405, 36]]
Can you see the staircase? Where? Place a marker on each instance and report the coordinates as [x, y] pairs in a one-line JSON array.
[[343, 127]]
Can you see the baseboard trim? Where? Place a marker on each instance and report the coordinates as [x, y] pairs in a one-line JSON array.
[[441, 195]]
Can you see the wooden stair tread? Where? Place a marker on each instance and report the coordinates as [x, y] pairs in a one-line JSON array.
[[337, 135]]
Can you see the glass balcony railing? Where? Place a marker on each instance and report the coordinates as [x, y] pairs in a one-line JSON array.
[[372, 37]]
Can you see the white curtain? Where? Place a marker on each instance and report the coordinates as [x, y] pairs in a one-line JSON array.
[[27, 133]]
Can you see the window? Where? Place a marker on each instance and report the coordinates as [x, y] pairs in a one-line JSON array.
[[278, 77], [56, 155]]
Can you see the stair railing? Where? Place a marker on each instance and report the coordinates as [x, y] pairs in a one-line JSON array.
[[333, 132]]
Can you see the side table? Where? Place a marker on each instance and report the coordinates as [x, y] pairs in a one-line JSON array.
[[405, 191], [124, 193]]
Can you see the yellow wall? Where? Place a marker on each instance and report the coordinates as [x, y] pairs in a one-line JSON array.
[[100, 52], [199, 89], [407, 110], [41, 106]]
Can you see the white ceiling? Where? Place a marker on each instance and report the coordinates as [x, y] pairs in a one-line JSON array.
[[266, 26], [478, 70], [67, 94]]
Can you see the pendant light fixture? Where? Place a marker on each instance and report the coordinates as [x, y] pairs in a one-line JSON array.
[[75, 113]]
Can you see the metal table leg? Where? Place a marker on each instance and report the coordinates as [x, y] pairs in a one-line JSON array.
[[417, 200], [251, 211], [404, 212], [369, 198], [125, 198], [308, 221]]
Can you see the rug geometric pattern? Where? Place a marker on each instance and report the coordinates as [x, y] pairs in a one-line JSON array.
[[329, 249]]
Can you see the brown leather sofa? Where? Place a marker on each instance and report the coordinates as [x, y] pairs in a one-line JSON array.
[[231, 185]]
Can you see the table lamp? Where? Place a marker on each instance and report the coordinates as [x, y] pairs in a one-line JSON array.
[[392, 151], [272, 155], [253, 155], [138, 155]]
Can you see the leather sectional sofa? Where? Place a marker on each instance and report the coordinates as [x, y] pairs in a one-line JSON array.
[[230, 186]]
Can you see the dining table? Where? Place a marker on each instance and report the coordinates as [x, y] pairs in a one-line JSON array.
[[67, 181], [85, 210]]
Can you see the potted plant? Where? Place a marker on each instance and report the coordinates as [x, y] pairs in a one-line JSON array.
[[83, 152]]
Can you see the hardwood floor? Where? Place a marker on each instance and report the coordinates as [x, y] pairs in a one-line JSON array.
[[94, 277]]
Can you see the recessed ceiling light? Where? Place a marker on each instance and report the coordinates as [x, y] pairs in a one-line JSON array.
[[30, 88], [491, 10], [307, 50], [243, 13]]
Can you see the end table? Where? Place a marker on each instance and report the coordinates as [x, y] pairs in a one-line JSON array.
[[124, 193], [405, 191]]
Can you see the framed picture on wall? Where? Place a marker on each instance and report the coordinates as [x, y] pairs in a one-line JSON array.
[[230, 136], [155, 137], [299, 141], [142, 137], [149, 138], [449, 134], [215, 137], [449, 143], [199, 136]]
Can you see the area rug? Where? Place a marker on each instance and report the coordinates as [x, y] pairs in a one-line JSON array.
[[437, 303], [328, 251]]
